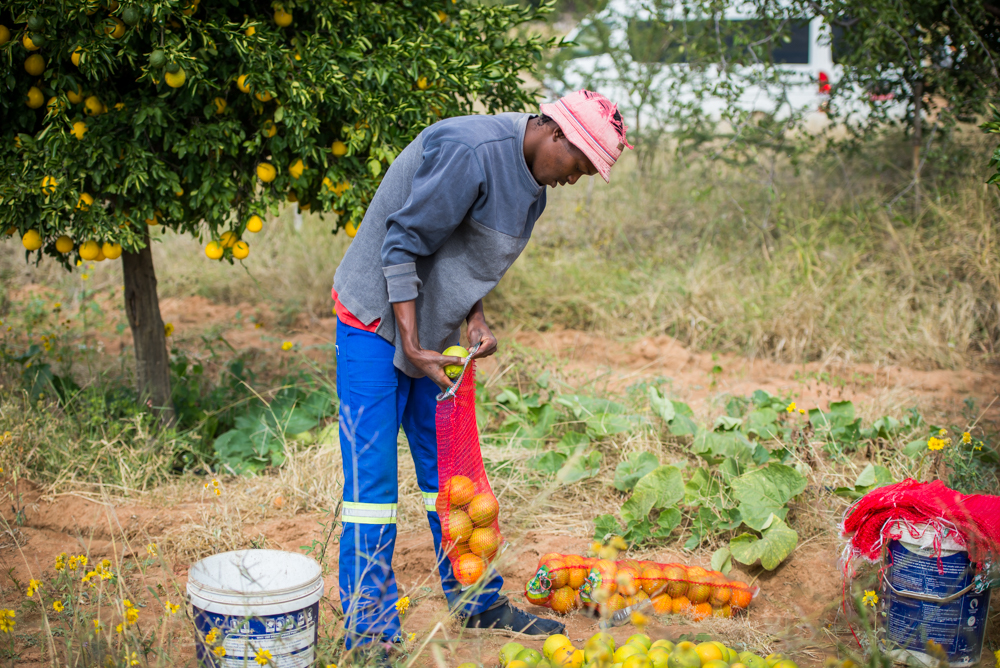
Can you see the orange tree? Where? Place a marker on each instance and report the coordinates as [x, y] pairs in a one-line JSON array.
[[120, 116]]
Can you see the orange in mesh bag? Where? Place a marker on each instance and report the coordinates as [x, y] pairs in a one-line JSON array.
[[616, 588], [470, 533]]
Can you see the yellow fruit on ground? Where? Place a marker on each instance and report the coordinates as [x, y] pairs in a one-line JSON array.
[[702, 610], [339, 148], [89, 250], [554, 642], [49, 185], [637, 661], [266, 172], [773, 659], [658, 656], [32, 240], [786, 663], [625, 651], [740, 595], [64, 244], [175, 79], [297, 168], [640, 640], [93, 106], [662, 604], [715, 663], [708, 652], [664, 643], [563, 599], [282, 18], [214, 250], [270, 129], [75, 58], [605, 638], [255, 224], [34, 65], [597, 652], [34, 98], [4, 35], [111, 251], [680, 605], [28, 44], [84, 202], [565, 657], [684, 657], [517, 663], [241, 250]]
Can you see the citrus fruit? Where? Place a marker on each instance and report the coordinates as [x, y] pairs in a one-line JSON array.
[[79, 129], [228, 239], [115, 28], [264, 96], [664, 643], [452, 370], [637, 661], [774, 659], [680, 605], [34, 65], [422, 83], [720, 590], [751, 660], [483, 509], [282, 18], [28, 44], [75, 58], [676, 585], [625, 651], [469, 568], [84, 202], [651, 579], [270, 129], [558, 572], [728, 655], [614, 603], [49, 185], [32, 240], [563, 600], [554, 642], [603, 637], [34, 98], [459, 491], [220, 105], [698, 590], [250, 32], [577, 570], [266, 172], [241, 250], [509, 652], [640, 639], [4, 35], [517, 663], [701, 610], [723, 611], [708, 652], [741, 595], [737, 665], [175, 79], [350, 229], [89, 250], [111, 251], [684, 657], [339, 148], [241, 83], [659, 656], [93, 106], [255, 224], [297, 168], [75, 96], [662, 604], [715, 663], [214, 250], [627, 580], [64, 244], [531, 657], [459, 526], [484, 541]]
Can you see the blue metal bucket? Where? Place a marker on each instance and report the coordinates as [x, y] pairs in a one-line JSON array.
[[922, 604]]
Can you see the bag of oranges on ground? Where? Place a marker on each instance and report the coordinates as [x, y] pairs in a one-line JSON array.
[[567, 582], [470, 533]]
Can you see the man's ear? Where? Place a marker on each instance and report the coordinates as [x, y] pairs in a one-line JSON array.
[[557, 133]]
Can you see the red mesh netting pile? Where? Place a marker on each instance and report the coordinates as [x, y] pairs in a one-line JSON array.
[[868, 522], [465, 503]]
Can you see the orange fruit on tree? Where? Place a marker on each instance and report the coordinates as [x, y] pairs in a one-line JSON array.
[[4, 34], [32, 240], [702, 610], [214, 250], [64, 244], [89, 250], [28, 44], [255, 224], [339, 149], [75, 96], [676, 578], [459, 491], [84, 202], [111, 251], [662, 604], [563, 600], [241, 250], [228, 239], [483, 509], [680, 605], [34, 65], [651, 579], [266, 172], [241, 83], [484, 542], [34, 99], [469, 568], [282, 18], [176, 79], [459, 526]]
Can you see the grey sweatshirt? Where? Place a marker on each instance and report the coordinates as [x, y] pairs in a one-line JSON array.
[[453, 212]]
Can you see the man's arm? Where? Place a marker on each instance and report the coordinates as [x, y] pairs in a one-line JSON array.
[[431, 362]]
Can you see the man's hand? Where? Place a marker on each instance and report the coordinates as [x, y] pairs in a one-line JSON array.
[[479, 332], [429, 362]]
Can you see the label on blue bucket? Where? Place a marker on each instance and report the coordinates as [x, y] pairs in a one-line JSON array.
[[289, 637], [956, 626]]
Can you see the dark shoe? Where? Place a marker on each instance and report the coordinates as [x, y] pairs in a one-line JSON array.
[[508, 620]]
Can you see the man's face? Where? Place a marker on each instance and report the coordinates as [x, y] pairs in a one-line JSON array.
[[559, 162]]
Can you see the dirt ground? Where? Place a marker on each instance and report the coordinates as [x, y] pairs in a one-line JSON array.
[[795, 611]]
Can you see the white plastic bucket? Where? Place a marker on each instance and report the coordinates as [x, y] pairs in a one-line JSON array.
[[920, 603], [258, 600]]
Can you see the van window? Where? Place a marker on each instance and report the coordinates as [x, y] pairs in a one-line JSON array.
[[672, 41]]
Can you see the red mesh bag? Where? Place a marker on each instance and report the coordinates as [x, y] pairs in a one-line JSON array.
[[615, 589], [470, 533]]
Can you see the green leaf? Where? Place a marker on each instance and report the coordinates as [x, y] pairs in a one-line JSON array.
[[629, 471], [605, 526], [726, 423], [661, 405], [915, 448], [549, 462], [682, 425], [701, 488], [722, 560], [761, 423], [874, 476], [580, 467], [765, 491], [773, 547], [659, 488], [607, 424]]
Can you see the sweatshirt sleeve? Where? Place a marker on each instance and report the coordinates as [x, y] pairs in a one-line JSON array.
[[444, 188]]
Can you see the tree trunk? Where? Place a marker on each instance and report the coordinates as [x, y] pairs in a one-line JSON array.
[[918, 136], [142, 307]]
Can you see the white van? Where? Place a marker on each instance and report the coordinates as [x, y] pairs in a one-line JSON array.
[[645, 70]]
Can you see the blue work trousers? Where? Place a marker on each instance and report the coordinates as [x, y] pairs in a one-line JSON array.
[[375, 400]]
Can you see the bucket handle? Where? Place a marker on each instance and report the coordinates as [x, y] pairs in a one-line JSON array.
[[925, 597]]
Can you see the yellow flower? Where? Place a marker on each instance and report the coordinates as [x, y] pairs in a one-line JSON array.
[[119, 628], [168, 329], [942, 432], [287, 345], [7, 621], [996, 655], [402, 605], [84, 277], [263, 657], [411, 638], [97, 626], [172, 608], [57, 606], [134, 660], [966, 437], [219, 651], [131, 616], [935, 443], [802, 411], [33, 586], [57, 306], [218, 492], [151, 550], [215, 483], [212, 636], [870, 598], [82, 559], [105, 563], [258, 325], [791, 407]]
